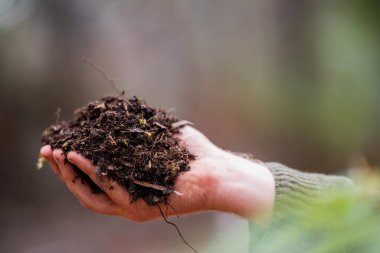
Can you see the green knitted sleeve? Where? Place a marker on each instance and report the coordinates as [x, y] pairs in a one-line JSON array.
[[296, 190], [297, 193]]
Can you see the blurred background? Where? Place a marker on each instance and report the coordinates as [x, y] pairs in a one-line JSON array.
[[290, 81]]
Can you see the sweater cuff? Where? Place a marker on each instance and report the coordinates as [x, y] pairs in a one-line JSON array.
[[296, 190]]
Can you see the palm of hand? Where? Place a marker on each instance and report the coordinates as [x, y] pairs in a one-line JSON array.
[[199, 185]]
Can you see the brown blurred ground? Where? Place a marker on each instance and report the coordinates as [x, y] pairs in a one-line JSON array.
[[289, 81]]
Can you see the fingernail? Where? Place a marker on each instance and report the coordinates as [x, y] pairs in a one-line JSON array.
[[56, 159], [69, 158]]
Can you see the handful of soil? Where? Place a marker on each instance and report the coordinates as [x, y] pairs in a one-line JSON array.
[[128, 142]]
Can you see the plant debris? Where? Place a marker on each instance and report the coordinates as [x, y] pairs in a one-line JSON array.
[[128, 142], [40, 162]]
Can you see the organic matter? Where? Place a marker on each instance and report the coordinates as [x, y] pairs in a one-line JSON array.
[[128, 142]]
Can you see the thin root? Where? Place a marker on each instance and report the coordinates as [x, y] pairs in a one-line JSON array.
[[103, 73], [176, 227]]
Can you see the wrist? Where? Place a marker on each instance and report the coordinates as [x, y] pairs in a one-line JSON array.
[[245, 187]]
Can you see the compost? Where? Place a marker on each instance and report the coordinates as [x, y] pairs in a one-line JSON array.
[[129, 142]]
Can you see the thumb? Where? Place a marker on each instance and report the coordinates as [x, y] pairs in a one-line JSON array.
[[196, 142]]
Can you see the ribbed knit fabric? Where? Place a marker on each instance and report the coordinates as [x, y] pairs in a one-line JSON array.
[[296, 188], [296, 191]]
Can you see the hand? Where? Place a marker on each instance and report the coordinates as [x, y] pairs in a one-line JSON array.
[[218, 180]]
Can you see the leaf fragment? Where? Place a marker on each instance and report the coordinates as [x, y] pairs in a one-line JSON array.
[[40, 162]]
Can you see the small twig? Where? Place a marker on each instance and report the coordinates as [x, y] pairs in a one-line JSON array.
[[170, 110], [160, 125], [103, 73], [178, 193], [57, 115], [149, 185], [158, 139], [155, 186], [176, 227], [112, 139], [181, 123]]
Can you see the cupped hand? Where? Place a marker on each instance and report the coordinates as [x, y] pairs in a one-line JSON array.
[[218, 180]]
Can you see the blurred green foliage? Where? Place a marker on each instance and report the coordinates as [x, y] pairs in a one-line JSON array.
[[340, 220], [344, 220], [344, 223]]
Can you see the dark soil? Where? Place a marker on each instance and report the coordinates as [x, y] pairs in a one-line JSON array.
[[129, 142]]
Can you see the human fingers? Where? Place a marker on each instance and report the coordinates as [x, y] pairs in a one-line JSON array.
[[99, 202], [196, 142], [47, 153], [137, 211], [112, 189]]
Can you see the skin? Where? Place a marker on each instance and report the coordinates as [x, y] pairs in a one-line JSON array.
[[218, 181]]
